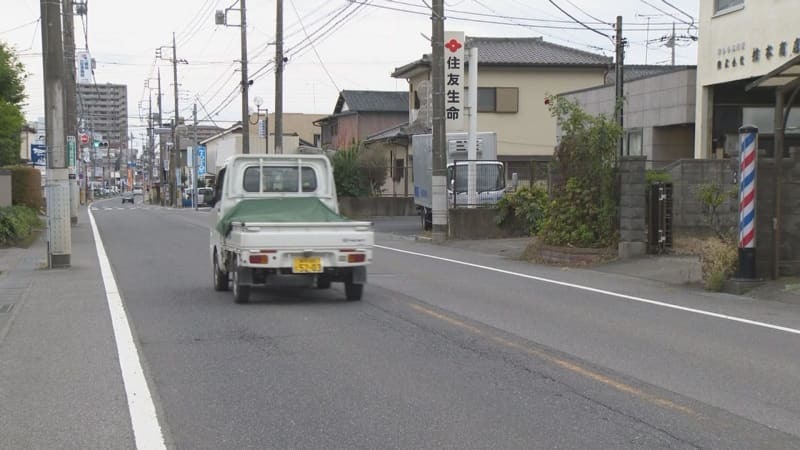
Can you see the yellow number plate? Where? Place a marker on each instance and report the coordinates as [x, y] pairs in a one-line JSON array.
[[307, 265]]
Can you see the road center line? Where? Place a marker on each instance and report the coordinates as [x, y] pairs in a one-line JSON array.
[[146, 429], [602, 291]]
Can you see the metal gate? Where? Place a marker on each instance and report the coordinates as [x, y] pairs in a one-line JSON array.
[[659, 217]]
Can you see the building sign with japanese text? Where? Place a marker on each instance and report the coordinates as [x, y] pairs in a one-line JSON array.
[[454, 80]]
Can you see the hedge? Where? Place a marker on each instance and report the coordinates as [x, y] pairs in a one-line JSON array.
[[26, 187], [17, 223]]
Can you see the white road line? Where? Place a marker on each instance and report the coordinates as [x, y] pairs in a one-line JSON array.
[[146, 429], [602, 291]]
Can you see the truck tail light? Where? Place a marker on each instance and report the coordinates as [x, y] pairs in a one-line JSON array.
[[356, 257], [259, 259]]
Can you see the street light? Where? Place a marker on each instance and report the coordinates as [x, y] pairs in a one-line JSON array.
[[260, 101]]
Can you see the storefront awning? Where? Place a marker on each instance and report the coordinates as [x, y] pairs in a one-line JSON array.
[[784, 77]]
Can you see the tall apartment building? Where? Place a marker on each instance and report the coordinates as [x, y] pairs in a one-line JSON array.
[[103, 109]]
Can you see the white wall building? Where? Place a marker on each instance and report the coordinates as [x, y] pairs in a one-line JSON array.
[[740, 41]]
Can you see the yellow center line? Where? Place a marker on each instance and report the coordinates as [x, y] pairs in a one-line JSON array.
[[572, 367]]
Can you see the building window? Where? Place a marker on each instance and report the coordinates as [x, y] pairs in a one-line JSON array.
[[764, 119], [317, 140], [633, 142], [399, 169], [724, 5], [498, 100], [334, 128]]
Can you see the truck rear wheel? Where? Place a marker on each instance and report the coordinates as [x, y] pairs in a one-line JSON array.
[[220, 277], [353, 291], [241, 293]]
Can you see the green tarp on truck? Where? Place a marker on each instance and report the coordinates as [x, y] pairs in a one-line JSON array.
[[278, 210]]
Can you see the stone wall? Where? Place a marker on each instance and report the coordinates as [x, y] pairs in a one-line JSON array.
[[632, 213]]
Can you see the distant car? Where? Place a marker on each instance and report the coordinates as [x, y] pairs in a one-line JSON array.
[[204, 196], [127, 196], [137, 190]]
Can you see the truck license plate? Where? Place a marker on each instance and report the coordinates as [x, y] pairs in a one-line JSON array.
[[307, 265]]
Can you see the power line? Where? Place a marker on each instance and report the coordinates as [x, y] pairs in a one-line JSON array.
[[319, 58], [679, 10], [578, 21], [691, 24], [21, 26], [587, 14]]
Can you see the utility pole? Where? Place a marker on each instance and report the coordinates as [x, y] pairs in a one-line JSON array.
[[71, 116], [279, 77], [439, 166], [150, 147], [162, 179], [59, 245], [672, 43], [245, 83], [176, 196], [194, 158], [620, 82]]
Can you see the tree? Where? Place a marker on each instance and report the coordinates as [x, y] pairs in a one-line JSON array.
[[583, 210], [12, 96]]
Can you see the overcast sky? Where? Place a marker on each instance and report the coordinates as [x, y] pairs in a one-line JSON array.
[[355, 44]]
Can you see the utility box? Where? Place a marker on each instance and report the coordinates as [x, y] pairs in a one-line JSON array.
[[5, 188]]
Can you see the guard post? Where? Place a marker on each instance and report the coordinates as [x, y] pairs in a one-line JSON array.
[[748, 159]]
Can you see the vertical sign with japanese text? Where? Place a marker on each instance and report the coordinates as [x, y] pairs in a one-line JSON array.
[[84, 73], [454, 81]]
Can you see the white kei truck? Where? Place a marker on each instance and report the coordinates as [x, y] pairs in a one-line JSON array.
[[277, 216]]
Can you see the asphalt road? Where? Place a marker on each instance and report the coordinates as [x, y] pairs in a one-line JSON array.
[[443, 355]]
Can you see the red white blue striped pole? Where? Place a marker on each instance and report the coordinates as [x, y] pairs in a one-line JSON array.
[[748, 157]]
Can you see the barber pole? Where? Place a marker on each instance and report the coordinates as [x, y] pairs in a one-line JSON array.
[[748, 156]]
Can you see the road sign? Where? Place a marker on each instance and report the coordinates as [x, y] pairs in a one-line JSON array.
[[39, 155], [201, 160], [71, 151], [84, 138]]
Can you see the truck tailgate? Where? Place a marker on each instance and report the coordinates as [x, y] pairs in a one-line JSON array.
[[301, 236]]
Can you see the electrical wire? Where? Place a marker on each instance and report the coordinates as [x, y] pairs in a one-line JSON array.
[[552, 2], [18, 27], [589, 15], [319, 58]]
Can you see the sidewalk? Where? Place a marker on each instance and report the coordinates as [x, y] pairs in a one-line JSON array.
[[60, 381], [683, 270]]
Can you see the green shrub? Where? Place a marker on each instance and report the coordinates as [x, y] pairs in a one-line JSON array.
[[26, 187], [583, 210], [17, 223], [712, 196], [657, 176], [347, 173], [718, 259], [576, 218], [526, 204]]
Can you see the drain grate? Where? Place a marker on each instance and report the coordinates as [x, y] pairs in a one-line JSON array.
[[6, 308]]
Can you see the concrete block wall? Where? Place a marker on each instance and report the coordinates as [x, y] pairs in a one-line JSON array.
[[789, 247], [360, 207], [632, 205], [688, 176]]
